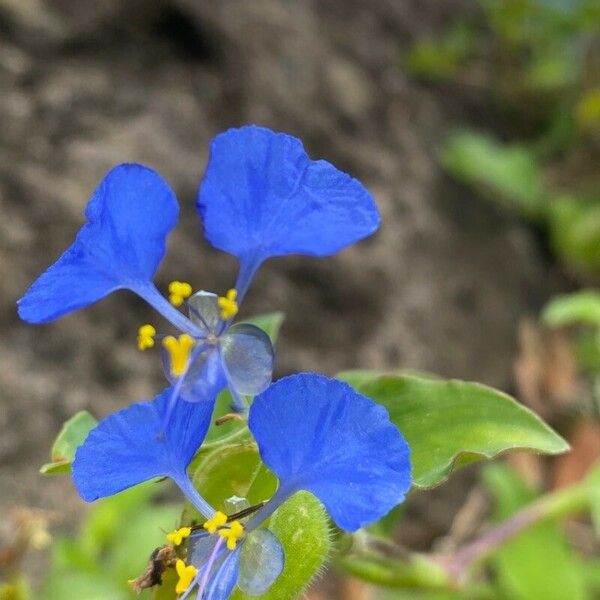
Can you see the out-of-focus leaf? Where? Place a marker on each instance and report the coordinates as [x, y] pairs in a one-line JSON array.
[[414, 572], [270, 323], [593, 492], [102, 525], [302, 527], [538, 563], [450, 422], [82, 586], [574, 227], [442, 58], [587, 111], [579, 307], [72, 435], [509, 174]]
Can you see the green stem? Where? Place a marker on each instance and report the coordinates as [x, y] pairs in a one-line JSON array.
[[552, 506]]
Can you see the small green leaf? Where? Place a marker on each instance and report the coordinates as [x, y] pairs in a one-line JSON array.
[[302, 527], [72, 435], [270, 323], [509, 174], [574, 228], [450, 422], [571, 309]]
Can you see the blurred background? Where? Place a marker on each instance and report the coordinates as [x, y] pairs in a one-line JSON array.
[[476, 125]]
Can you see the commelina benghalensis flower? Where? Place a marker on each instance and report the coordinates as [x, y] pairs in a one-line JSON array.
[[261, 197], [314, 433]]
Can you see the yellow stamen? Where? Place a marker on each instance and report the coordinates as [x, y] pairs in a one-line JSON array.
[[218, 520], [179, 350], [229, 307], [232, 534], [178, 292], [177, 536], [145, 337], [186, 576]]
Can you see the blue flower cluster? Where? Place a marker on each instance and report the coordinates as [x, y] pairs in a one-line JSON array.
[[261, 197]]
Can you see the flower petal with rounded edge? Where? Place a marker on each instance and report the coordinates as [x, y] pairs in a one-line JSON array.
[[129, 216], [129, 446], [262, 196], [248, 358], [319, 435]]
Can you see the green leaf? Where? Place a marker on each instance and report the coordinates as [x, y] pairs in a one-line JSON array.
[[580, 307], [538, 563], [358, 377], [270, 323], [574, 227], [442, 59], [509, 174], [302, 527], [72, 435], [453, 422]]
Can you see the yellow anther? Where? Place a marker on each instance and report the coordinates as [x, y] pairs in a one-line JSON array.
[[177, 536], [178, 292], [179, 350], [232, 534], [186, 575], [145, 337], [218, 520], [228, 305]]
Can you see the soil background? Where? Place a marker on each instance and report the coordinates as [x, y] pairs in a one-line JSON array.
[[85, 85]]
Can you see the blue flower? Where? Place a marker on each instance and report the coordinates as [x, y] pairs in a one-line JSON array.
[[261, 196], [314, 433]]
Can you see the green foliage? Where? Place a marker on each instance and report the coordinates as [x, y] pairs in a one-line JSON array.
[[581, 307], [113, 544], [448, 423], [510, 174], [270, 323], [521, 572], [413, 572], [574, 230], [72, 434], [443, 58], [537, 61]]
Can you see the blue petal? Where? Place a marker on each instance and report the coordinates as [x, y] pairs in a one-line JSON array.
[[261, 562], [129, 447], [129, 216], [318, 434], [223, 580], [262, 196], [248, 358]]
